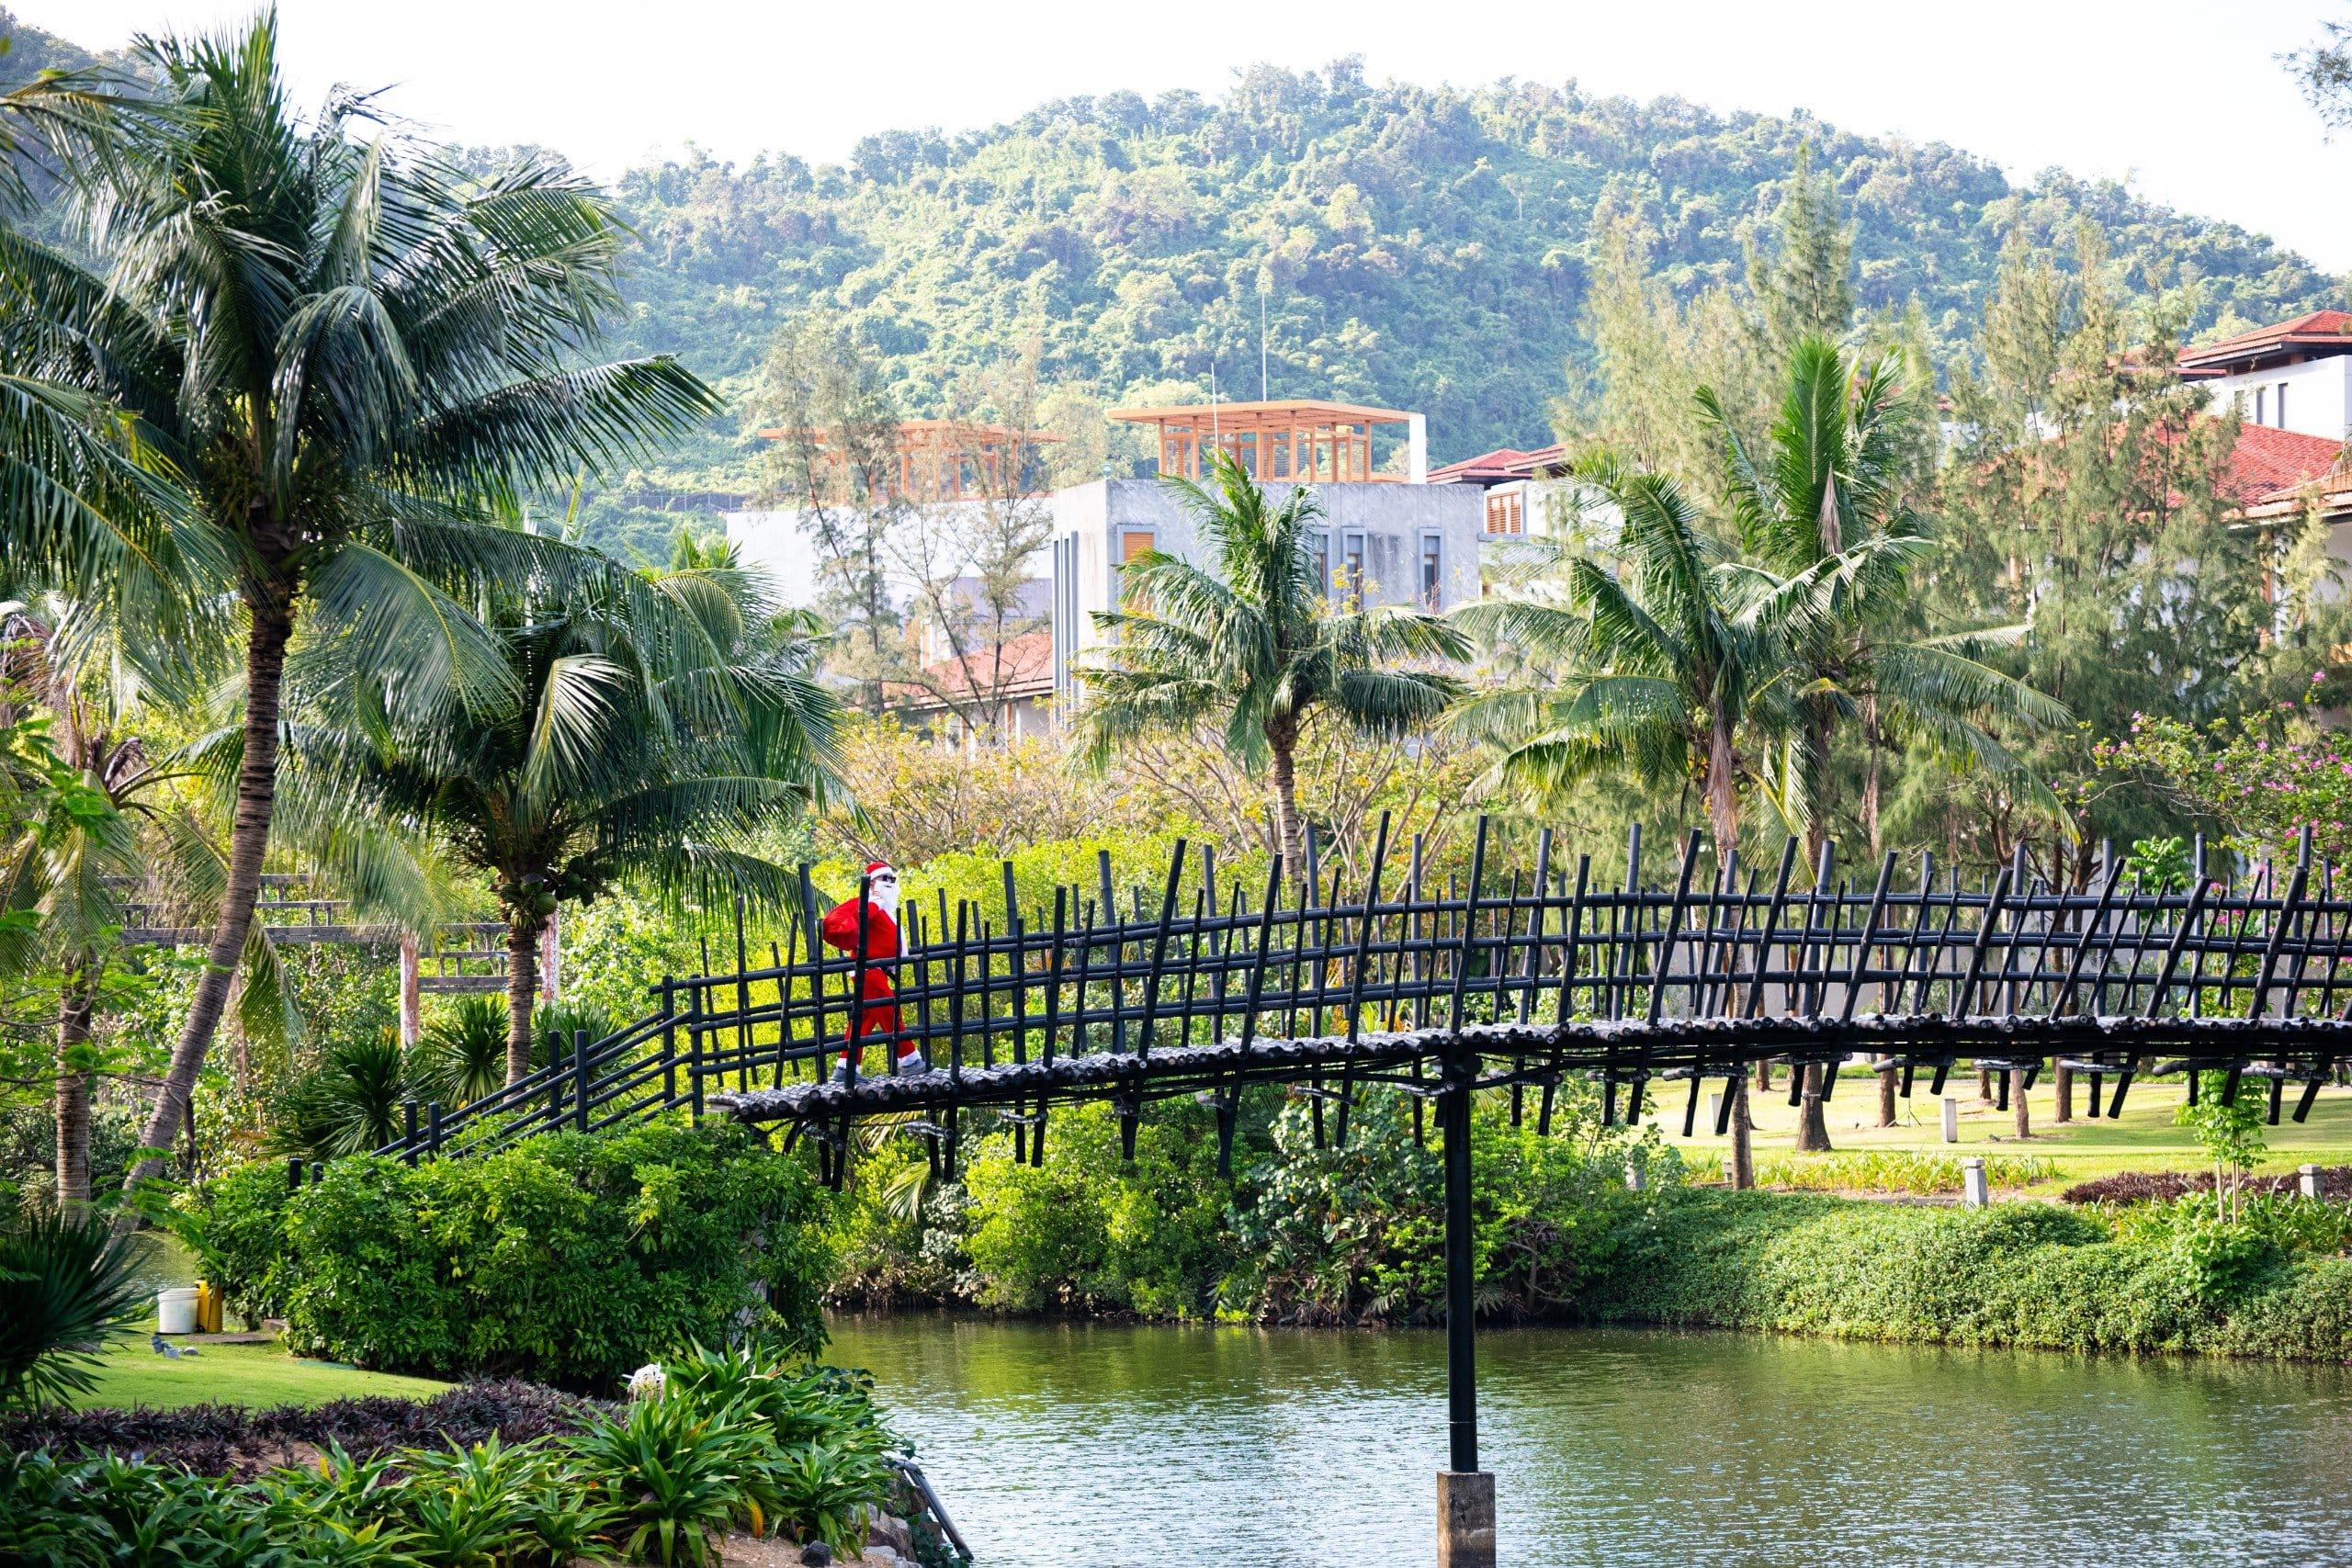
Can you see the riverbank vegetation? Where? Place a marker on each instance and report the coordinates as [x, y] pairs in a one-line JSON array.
[[743, 1441]]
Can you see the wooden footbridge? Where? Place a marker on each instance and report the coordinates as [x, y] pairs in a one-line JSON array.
[[1505, 983]]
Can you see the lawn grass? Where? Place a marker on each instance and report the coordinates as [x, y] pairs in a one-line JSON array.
[[260, 1375], [2144, 1138]]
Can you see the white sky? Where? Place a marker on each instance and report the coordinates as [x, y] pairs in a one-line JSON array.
[[2185, 99]]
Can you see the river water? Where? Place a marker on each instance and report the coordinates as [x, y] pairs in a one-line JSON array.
[[1101, 1446]]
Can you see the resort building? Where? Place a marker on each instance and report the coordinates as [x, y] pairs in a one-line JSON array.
[[1386, 536], [2295, 375], [2291, 385]]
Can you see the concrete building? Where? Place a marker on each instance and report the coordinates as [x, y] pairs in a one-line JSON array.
[[1384, 537], [2294, 376]]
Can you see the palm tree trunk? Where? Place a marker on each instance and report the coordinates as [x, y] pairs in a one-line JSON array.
[[76, 1003], [1812, 1122], [1871, 767], [1723, 817], [522, 987], [1742, 1147], [2017, 1103], [1886, 1111], [1288, 832], [270, 604]]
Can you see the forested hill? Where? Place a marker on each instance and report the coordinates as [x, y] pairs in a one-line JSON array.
[[1423, 248], [1420, 247]]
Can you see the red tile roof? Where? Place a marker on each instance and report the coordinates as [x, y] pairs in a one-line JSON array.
[[1501, 466], [1027, 671], [2273, 464], [2321, 328]]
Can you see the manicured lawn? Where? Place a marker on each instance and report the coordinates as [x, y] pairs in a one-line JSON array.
[[258, 1375], [2143, 1138]]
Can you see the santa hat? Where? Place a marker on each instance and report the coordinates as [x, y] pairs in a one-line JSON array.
[[884, 894]]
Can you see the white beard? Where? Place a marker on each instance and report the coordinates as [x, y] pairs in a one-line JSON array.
[[883, 896]]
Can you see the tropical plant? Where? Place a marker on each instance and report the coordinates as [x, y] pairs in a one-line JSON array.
[[355, 356], [563, 1023], [66, 1282], [1253, 644], [674, 1475], [643, 729], [460, 1055], [1820, 511], [1821, 508], [1671, 668], [349, 1103]]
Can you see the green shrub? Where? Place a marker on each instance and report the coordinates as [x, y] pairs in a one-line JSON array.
[[741, 1435], [2025, 1274], [1088, 1231], [570, 1257], [1357, 1233]]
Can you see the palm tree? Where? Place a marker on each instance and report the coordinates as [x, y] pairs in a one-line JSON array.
[[1821, 513], [1671, 668], [650, 732], [1660, 668], [1253, 644], [354, 357]]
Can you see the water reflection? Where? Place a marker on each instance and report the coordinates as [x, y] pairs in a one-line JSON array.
[[1090, 1445]]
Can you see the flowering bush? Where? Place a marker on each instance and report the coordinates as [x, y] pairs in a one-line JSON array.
[[2260, 779]]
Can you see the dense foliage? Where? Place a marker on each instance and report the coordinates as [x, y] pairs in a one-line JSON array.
[[571, 1258], [1309, 1232], [2022, 1274], [502, 1474]]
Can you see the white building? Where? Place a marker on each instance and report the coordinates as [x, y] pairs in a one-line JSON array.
[[1386, 537], [2296, 375]]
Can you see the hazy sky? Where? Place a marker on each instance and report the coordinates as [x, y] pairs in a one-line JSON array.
[[2185, 99]]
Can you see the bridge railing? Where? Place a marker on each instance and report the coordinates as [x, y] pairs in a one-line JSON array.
[[1304, 955]]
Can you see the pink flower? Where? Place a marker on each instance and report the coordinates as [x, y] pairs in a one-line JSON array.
[[2317, 676]]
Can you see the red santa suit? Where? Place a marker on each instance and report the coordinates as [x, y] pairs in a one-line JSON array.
[[879, 1016]]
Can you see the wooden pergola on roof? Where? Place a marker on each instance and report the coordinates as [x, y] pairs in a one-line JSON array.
[[1304, 439], [940, 459]]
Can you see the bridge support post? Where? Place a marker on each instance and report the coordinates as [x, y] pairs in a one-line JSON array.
[[1465, 1494]]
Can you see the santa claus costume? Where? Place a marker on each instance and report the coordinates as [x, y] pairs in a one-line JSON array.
[[879, 1016]]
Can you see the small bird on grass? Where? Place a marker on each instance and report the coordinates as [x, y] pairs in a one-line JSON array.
[[166, 1347]]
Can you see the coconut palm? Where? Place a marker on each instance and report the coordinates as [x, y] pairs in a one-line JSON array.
[[356, 356], [1820, 511], [648, 733], [1671, 668], [1665, 668], [1252, 643]]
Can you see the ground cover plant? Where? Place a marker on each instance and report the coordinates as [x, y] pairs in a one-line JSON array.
[[1895, 1170], [509, 1474]]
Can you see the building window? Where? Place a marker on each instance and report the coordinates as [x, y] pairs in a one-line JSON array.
[[1432, 570], [1352, 563], [1504, 513], [2261, 405], [2278, 406]]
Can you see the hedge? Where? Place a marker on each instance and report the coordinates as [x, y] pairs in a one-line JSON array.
[[570, 1259], [2016, 1274]]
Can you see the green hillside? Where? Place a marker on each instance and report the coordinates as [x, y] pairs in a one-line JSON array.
[[1425, 248], [1420, 247]]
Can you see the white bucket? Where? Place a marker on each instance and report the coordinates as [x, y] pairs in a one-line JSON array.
[[176, 1311]]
